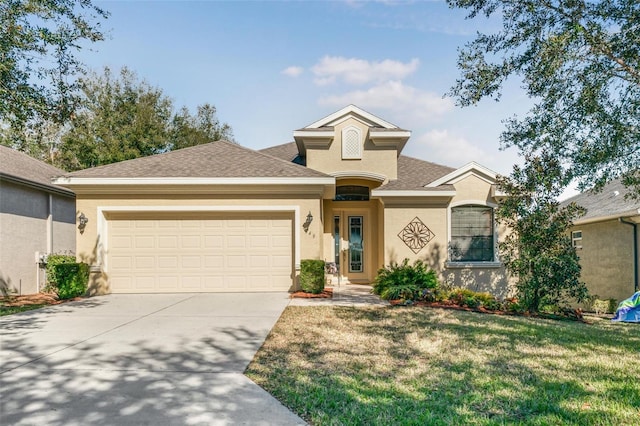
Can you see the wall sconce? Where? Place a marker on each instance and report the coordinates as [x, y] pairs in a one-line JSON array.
[[82, 222], [306, 224]]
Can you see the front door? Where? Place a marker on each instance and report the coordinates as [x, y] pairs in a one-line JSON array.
[[350, 245]]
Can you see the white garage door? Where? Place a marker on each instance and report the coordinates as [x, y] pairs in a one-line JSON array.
[[196, 252]]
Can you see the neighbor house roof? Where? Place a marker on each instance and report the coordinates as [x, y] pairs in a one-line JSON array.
[[18, 167], [413, 174], [219, 159], [610, 203]]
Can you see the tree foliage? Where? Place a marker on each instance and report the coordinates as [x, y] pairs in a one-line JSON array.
[[538, 250], [38, 66], [189, 130], [120, 117], [580, 62]]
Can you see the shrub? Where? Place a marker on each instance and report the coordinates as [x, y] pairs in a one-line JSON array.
[[312, 275], [69, 279], [473, 299], [404, 281], [603, 306]]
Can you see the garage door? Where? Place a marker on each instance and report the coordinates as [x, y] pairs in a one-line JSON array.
[[188, 252]]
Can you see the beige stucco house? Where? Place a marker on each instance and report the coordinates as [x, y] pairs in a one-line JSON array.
[[606, 240], [220, 217], [36, 218]]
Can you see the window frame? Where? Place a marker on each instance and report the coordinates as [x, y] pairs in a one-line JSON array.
[[576, 242], [355, 196], [495, 261]]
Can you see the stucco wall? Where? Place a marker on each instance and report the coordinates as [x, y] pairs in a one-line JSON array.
[[606, 258], [23, 232], [89, 244], [434, 213], [374, 159]]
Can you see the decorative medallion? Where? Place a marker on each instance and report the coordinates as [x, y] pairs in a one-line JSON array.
[[416, 235]]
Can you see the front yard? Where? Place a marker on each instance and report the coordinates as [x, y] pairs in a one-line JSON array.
[[337, 365]]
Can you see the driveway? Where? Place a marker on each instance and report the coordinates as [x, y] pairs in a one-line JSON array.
[[139, 359]]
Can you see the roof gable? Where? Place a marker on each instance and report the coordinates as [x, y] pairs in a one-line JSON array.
[[351, 111], [468, 169]]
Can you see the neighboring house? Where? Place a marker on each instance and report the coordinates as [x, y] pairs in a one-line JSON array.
[[36, 218], [220, 217], [606, 240]]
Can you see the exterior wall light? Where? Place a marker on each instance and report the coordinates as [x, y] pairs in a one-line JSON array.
[[307, 223], [82, 222]]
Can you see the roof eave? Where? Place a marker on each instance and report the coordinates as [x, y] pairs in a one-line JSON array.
[[36, 185]]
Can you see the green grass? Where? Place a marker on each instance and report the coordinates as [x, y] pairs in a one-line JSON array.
[[8, 310], [338, 365]]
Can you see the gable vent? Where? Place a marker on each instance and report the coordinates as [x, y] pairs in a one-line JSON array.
[[351, 143]]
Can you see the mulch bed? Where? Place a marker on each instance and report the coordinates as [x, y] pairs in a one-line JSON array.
[[327, 293], [574, 315], [33, 299]]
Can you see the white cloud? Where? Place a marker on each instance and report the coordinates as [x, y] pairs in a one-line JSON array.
[[413, 106], [359, 71], [445, 148], [293, 71]]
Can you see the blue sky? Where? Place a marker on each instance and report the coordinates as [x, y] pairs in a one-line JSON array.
[[272, 67]]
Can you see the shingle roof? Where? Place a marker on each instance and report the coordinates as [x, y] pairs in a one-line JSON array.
[[610, 202], [219, 159], [16, 165], [287, 151], [413, 174]]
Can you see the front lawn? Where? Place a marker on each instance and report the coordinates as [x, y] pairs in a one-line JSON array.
[[340, 365]]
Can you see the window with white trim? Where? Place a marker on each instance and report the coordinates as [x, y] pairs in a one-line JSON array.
[[351, 144], [472, 234], [576, 239]]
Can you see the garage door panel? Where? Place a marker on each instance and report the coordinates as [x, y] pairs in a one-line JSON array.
[[167, 241], [190, 241], [180, 252]]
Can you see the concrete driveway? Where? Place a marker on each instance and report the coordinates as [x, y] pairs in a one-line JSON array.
[[139, 359]]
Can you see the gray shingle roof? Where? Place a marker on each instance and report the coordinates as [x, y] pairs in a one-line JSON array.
[[219, 159], [16, 165], [610, 202], [287, 151], [413, 174]]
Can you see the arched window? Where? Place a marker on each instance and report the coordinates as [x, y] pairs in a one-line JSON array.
[[352, 193], [351, 144], [472, 234]]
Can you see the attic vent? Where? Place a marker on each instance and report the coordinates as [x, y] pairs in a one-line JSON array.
[[351, 144]]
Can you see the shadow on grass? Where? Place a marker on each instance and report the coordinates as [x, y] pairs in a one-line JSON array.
[[431, 366]]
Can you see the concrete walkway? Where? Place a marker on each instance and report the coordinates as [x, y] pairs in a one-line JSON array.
[[139, 360], [344, 295]]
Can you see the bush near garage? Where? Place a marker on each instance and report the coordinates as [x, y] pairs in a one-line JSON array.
[[66, 277], [312, 275]]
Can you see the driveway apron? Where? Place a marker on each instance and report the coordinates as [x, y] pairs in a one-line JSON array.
[[156, 359]]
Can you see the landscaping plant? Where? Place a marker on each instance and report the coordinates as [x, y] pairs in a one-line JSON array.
[[66, 277], [312, 275], [404, 281], [538, 250]]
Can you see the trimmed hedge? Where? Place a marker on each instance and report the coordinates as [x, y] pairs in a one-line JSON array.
[[312, 275], [68, 278]]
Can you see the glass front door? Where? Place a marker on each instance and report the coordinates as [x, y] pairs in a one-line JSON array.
[[356, 244], [349, 245]]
